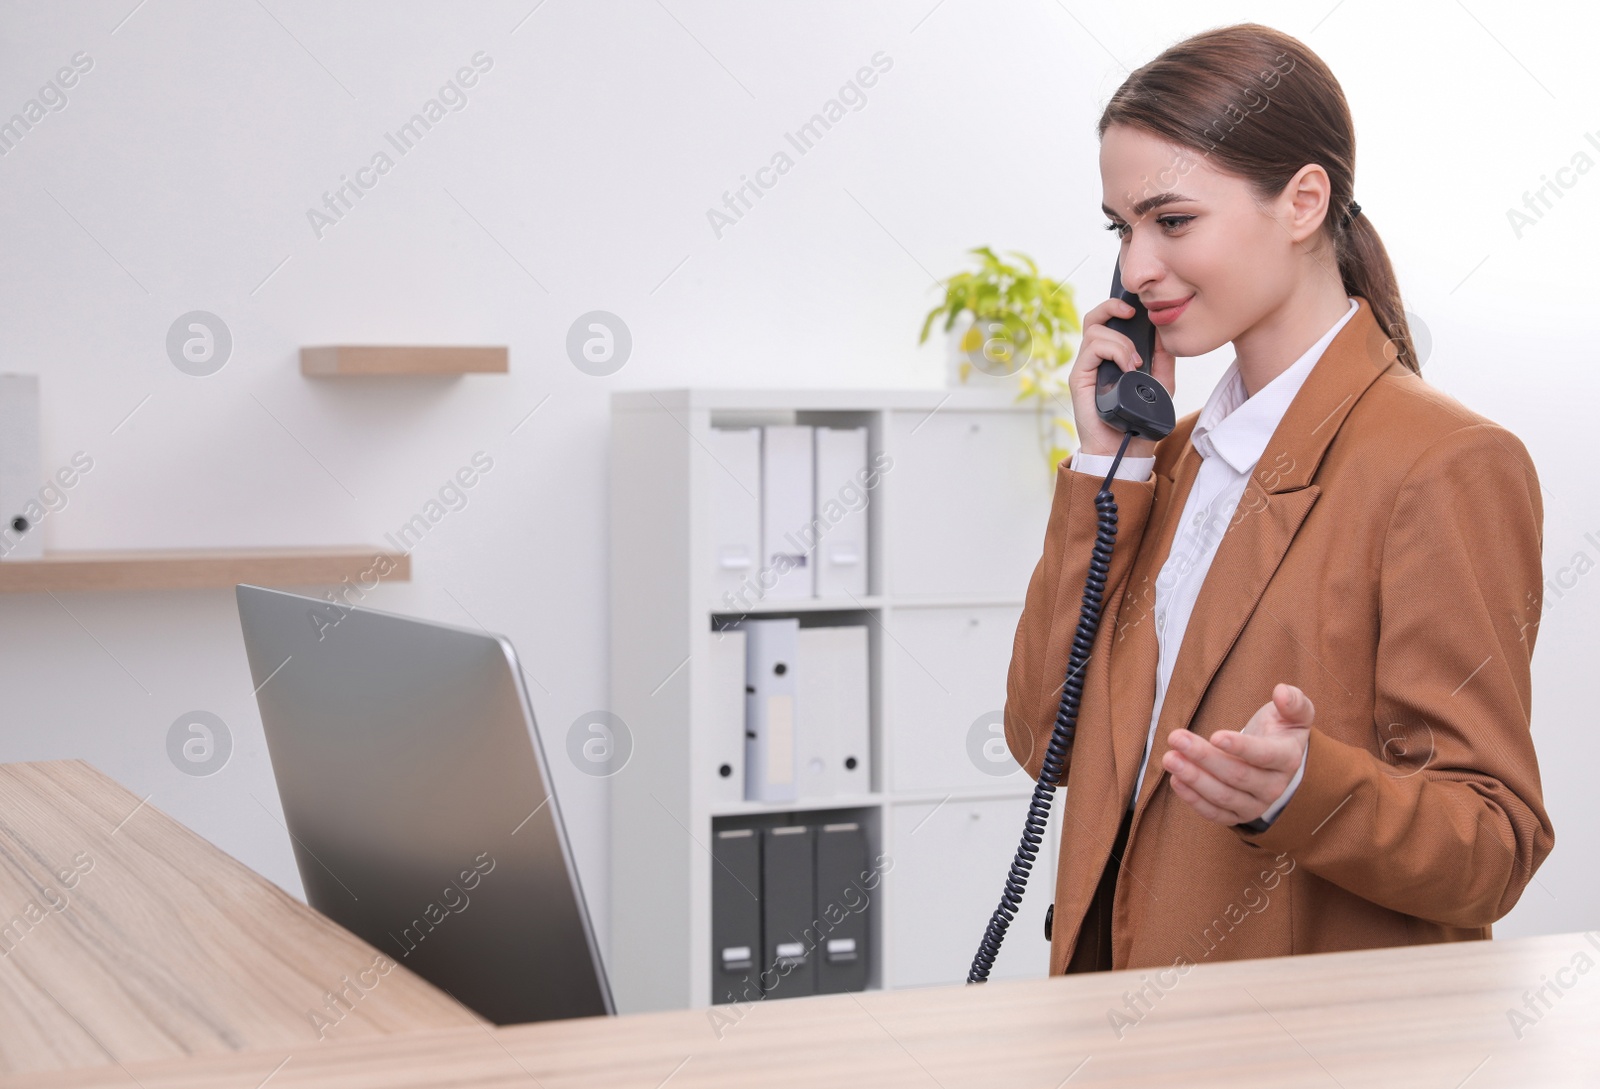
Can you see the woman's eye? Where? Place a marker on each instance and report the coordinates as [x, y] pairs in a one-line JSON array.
[[1171, 223]]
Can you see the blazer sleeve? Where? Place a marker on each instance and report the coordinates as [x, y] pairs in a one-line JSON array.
[[1442, 816], [1043, 643]]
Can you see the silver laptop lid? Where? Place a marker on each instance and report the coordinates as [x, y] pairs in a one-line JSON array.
[[418, 802]]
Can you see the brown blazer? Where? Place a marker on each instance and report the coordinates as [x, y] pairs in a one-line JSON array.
[[1385, 558]]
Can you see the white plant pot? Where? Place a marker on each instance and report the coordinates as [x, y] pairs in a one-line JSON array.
[[977, 376]]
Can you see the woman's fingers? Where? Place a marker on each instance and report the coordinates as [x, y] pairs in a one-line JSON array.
[[1203, 807], [1269, 752], [1254, 776], [1101, 343], [1240, 788], [1203, 782], [1111, 308]]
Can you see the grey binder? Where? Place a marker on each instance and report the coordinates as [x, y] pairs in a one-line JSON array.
[[735, 915], [788, 895], [841, 953]]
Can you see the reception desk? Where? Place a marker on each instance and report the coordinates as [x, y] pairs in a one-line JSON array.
[[138, 955]]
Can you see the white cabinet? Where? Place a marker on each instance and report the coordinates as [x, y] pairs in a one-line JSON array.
[[955, 522], [950, 863], [945, 669], [969, 501]]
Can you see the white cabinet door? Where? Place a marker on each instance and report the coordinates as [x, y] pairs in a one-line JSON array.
[[967, 503], [950, 864], [946, 674]]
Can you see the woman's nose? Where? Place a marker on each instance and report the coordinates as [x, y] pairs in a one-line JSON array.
[[1141, 269]]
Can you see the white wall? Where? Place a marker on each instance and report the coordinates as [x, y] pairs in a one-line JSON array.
[[578, 177]]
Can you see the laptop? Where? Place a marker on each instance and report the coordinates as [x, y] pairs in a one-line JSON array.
[[419, 802]]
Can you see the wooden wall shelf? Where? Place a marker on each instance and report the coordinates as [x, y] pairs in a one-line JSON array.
[[196, 568], [402, 359]]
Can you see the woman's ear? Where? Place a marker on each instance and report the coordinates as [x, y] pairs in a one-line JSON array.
[[1305, 201]]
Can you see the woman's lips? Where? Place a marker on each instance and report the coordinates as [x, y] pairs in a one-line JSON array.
[[1169, 314]]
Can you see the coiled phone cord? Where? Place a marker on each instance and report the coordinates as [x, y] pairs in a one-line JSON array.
[[1055, 757]]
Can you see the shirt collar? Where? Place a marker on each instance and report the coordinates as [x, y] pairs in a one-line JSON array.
[[1238, 428]]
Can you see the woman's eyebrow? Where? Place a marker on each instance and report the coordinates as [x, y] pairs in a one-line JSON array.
[[1149, 203]]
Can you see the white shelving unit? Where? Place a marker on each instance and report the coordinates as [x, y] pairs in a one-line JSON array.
[[956, 524]]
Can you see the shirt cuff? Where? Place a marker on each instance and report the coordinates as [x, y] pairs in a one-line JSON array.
[[1262, 823], [1100, 464], [1288, 792]]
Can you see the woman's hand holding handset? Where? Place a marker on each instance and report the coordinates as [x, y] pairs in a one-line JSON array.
[[1100, 341]]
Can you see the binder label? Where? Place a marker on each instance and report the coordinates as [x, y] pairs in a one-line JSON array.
[[780, 739]]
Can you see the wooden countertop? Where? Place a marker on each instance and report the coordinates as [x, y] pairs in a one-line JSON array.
[[228, 967], [1425, 1016], [125, 937]]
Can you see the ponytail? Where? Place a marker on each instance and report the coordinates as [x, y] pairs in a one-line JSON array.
[[1365, 268]]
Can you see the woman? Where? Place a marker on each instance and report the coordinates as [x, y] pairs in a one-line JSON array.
[[1320, 741]]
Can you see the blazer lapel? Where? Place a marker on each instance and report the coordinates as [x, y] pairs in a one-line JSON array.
[[1275, 503], [1134, 650]]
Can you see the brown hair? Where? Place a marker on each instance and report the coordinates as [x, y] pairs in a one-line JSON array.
[[1258, 104]]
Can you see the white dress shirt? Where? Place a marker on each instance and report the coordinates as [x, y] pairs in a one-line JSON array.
[[1230, 434]]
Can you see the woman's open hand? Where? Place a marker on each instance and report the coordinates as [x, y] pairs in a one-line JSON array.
[[1232, 776]]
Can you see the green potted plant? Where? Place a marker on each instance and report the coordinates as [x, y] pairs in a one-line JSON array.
[[1023, 324]]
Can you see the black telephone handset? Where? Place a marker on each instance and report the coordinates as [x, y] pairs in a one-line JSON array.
[[1135, 403]]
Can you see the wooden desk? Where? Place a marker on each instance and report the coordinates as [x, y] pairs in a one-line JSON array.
[[1431, 1016], [125, 937]]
